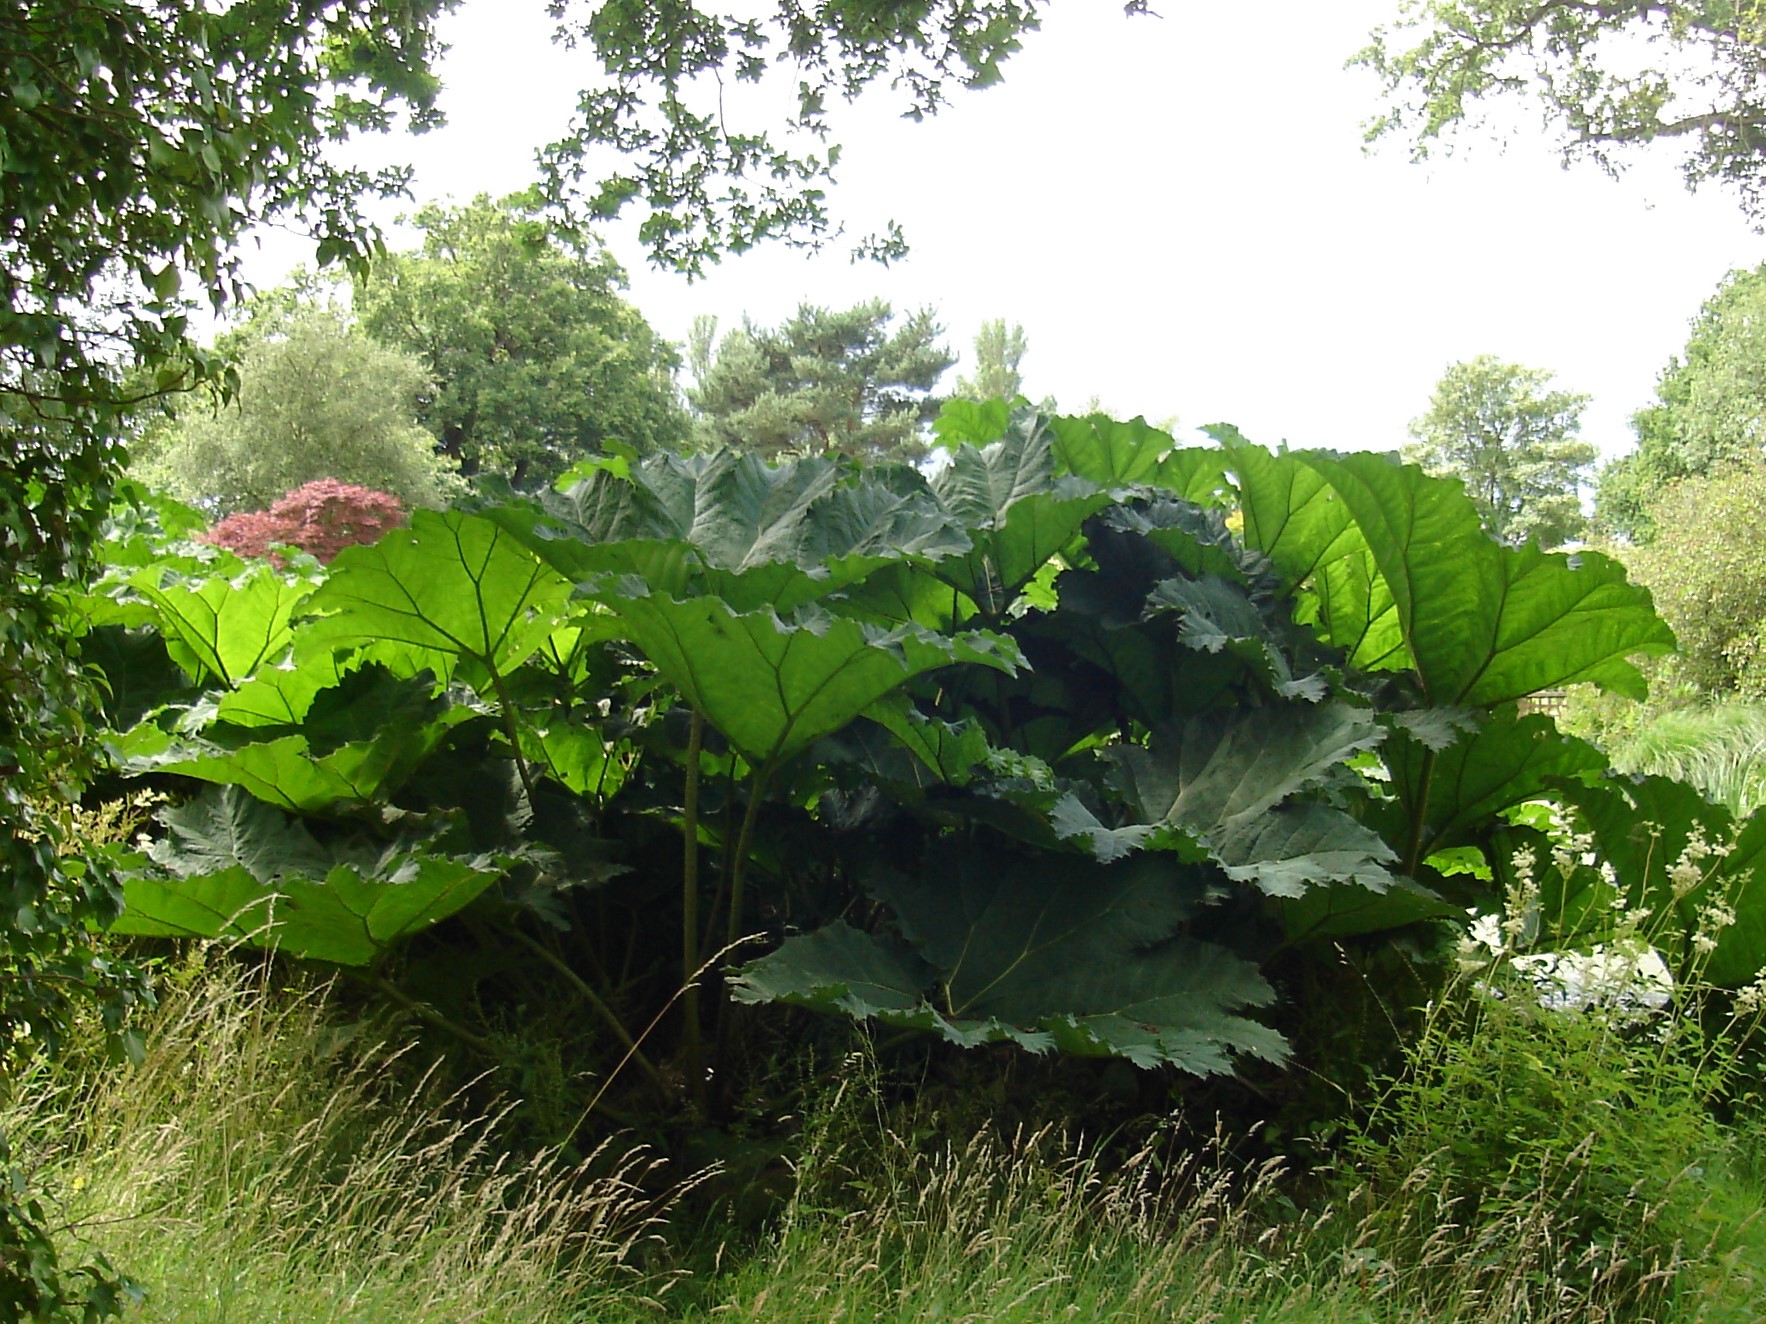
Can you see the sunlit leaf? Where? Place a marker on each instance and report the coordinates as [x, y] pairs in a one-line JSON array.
[[452, 588], [231, 866], [773, 685], [220, 629], [1481, 622]]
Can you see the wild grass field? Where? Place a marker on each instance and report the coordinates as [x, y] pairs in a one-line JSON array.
[[273, 1159]]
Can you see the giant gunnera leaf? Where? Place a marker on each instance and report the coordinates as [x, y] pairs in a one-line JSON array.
[[221, 628], [230, 866], [1385, 548], [774, 685], [732, 525], [1019, 514], [452, 588], [1448, 797], [1050, 954], [1224, 786]]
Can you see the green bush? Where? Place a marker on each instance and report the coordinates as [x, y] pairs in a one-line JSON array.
[[1709, 579], [1563, 1085]]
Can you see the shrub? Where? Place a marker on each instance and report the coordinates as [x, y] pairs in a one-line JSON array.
[[1709, 580], [1557, 1097], [321, 518]]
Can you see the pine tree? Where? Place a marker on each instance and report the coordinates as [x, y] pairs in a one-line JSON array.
[[824, 381]]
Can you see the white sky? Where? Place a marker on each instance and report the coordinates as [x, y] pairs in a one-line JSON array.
[[1179, 212]]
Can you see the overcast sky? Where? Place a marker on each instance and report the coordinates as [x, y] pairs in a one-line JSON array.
[[1179, 212]]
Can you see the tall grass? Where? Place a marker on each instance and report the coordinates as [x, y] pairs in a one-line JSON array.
[[1720, 750], [1037, 1226], [272, 1162], [267, 1162]]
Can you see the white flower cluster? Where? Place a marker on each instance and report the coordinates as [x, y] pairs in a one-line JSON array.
[[1689, 871], [1751, 1000]]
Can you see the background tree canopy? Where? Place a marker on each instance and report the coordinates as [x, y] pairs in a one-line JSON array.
[[537, 360], [708, 183], [1512, 441], [1709, 579], [316, 399], [823, 381], [999, 355], [1710, 409], [1608, 76]]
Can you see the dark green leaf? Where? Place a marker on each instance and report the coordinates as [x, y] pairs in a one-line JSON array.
[[1447, 797], [1067, 955], [1018, 513]]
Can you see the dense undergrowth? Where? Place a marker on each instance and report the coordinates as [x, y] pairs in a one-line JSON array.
[[1127, 802], [279, 1157]]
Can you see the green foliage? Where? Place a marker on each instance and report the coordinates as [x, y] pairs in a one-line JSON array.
[[1037, 750], [824, 382], [536, 360], [315, 399], [1708, 583], [1706, 419], [231, 866], [1496, 427], [129, 166], [451, 593], [1607, 76], [1401, 575], [998, 353], [1490, 1120], [1721, 750], [706, 180]]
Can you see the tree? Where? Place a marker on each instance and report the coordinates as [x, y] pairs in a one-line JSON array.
[[537, 360], [1709, 579], [321, 518], [316, 399], [140, 142], [998, 352], [1710, 410], [1701, 84], [709, 183], [824, 381], [1495, 426]]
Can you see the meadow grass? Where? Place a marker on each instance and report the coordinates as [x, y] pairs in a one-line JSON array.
[[271, 1160]]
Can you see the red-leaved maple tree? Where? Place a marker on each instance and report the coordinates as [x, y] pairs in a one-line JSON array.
[[322, 518]]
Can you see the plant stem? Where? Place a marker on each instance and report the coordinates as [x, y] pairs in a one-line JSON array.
[[476, 1042], [1419, 814], [589, 996], [690, 907], [739, 870], [732, 922], [514, 733]]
